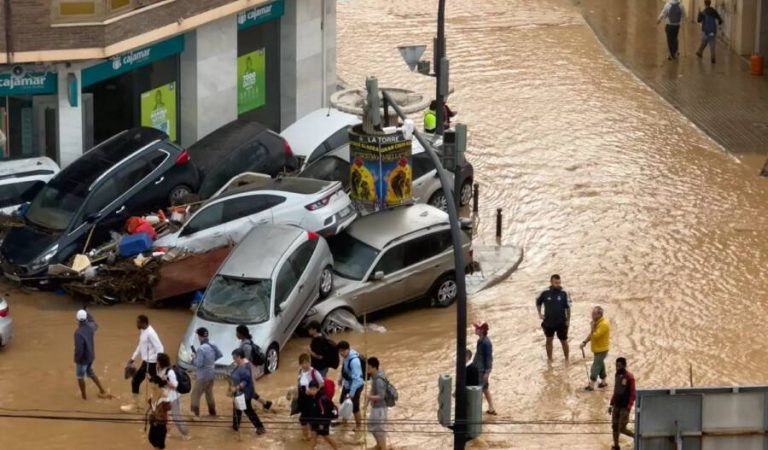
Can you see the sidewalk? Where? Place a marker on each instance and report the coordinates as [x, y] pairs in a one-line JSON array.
[[496, 263], [723, 99]]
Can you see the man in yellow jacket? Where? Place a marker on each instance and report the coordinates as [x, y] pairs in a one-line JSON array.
[[599, 338]]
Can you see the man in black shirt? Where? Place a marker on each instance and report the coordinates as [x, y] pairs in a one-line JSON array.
[[323, 351], [557, 314]]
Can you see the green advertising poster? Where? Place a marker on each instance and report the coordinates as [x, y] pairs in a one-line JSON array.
[[158, 109], [251, 81]]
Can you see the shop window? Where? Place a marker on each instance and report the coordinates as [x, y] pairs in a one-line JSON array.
[[77, 8]]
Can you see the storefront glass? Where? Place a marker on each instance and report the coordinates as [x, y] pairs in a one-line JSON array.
[[258, 64], [28, 115]]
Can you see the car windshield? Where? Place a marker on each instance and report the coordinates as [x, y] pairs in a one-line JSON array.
[[54, 206], [236, 300], [351, 258]]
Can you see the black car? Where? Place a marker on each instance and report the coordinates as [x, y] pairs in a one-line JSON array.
[[237, 147], [132, 173]]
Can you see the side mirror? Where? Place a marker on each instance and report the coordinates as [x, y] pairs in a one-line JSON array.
[[378, 275]]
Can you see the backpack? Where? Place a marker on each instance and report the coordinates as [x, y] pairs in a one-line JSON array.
[[363, 365], [329, 387], [182, 377], [675, 14], [257, 357], [390, 394], [331, 354]]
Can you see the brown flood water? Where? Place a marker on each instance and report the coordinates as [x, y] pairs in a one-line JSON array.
[[600, 181]]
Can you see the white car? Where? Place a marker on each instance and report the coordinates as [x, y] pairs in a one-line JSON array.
[[318, 133], [6, 330], [21, 179], [254, 199]]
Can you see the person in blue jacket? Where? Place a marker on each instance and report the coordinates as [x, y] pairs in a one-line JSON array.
[[351, 380]]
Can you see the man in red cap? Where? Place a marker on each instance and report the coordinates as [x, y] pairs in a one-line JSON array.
[[484, 361]]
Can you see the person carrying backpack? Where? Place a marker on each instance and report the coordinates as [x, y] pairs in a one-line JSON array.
[[324, 353], [204, 360], [709, 20], [172, 387], [255, 357], [306, 375], [351, 380], [673, 14], [320, 415], [382, 396]]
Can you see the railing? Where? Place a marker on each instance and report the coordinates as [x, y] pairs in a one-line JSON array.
[[89, 11]]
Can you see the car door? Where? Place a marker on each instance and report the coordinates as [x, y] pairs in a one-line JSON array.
[[390, 290], [422, 166], [154, 194], [294, 291], [202, 232], [245, 212], [426, 259]]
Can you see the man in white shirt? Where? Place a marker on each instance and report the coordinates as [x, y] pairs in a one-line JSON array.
[[672, 14], [170, 383], [148, 348]]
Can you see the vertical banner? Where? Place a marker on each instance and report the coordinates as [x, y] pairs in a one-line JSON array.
[[251, 81], [158, 109], [380, 171]]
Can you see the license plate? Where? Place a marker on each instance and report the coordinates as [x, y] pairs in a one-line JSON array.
[[345, 212]]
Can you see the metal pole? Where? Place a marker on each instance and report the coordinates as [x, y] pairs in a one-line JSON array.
[[498, 222], [476, 198], [460, 414], [440, 54]]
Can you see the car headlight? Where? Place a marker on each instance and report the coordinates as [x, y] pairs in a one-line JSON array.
[[184, 353], [43, 260]]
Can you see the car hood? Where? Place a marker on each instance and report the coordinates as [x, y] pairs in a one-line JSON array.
[[223, 335], [22, 245], [342, 286]]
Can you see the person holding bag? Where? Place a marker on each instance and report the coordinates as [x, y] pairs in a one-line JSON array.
[[306, 375], [242, 385]]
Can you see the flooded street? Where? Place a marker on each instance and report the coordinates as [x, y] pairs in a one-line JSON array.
[[600, 181]]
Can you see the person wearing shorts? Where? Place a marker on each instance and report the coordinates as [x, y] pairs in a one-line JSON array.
[[556, 316], [321, 413], [85, 352], [351, 379]]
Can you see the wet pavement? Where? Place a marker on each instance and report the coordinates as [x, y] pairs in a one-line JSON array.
[[600, 179], [723, 99]]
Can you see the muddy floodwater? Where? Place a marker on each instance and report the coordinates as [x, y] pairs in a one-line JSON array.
[[599, 179]]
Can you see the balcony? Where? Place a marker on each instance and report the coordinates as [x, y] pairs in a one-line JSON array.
[[87, 12]]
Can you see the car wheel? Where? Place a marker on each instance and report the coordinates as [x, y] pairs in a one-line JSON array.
[[326, 282], [439, 201], [337, 321], [178, 193], [445, 291], [466, 193], [273, 359]]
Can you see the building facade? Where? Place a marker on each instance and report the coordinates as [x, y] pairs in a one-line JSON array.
[[74, 72]]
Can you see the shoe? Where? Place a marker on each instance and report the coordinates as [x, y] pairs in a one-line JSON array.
[[133, 406], [267, 405], [260, 431], [602, 385], [698, 54], [615, 447], [589, 389], [491, 412], [185, 437], [669, 58], [713, 60]]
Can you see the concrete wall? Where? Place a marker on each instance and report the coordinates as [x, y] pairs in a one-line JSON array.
[[208, 79], [308, 57]]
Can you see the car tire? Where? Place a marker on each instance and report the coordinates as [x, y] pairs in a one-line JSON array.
[[466, 193], [272, 359], [439, 201], [331, 324], [444, 291], [177, 194], [326, 282]]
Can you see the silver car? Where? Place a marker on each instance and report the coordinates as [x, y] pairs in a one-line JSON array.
[[389, 258], [6, 329], [268, 282]]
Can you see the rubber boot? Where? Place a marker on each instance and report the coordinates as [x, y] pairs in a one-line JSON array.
[[133, 406]]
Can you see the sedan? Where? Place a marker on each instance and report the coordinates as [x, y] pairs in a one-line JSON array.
[[268, 282], [319, 206], [6, 329]]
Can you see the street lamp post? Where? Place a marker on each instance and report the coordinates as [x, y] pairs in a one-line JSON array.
[[441, 69]]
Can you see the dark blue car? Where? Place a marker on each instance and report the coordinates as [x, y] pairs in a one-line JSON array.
[[132, 173]]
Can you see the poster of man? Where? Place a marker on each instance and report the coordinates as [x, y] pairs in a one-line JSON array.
[[158, 109]]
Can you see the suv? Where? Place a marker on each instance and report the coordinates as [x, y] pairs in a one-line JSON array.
[[388, 258], [237, 147], [21, 179], [131, 173]]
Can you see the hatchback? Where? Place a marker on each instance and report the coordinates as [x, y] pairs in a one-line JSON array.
[[133, 172], [320, 206], [318, 133], [240, 146], [268, 282], [388, 258], [21, 179]]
